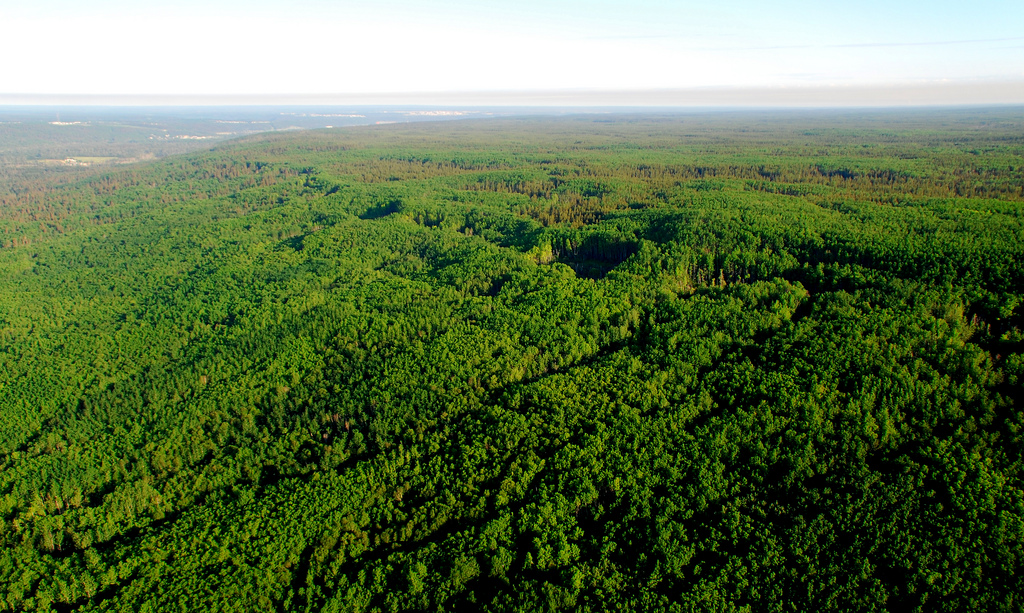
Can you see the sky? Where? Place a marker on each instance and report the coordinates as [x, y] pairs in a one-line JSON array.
[[388, 47]]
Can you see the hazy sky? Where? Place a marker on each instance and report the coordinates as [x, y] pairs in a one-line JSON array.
[[320, 47]]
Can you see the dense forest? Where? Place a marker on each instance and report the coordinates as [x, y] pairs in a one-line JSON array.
[[704, 362]]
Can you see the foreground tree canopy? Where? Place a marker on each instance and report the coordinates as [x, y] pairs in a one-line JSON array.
[[680, 363]]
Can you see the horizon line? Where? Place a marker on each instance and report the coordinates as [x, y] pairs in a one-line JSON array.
[[959, 93]]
